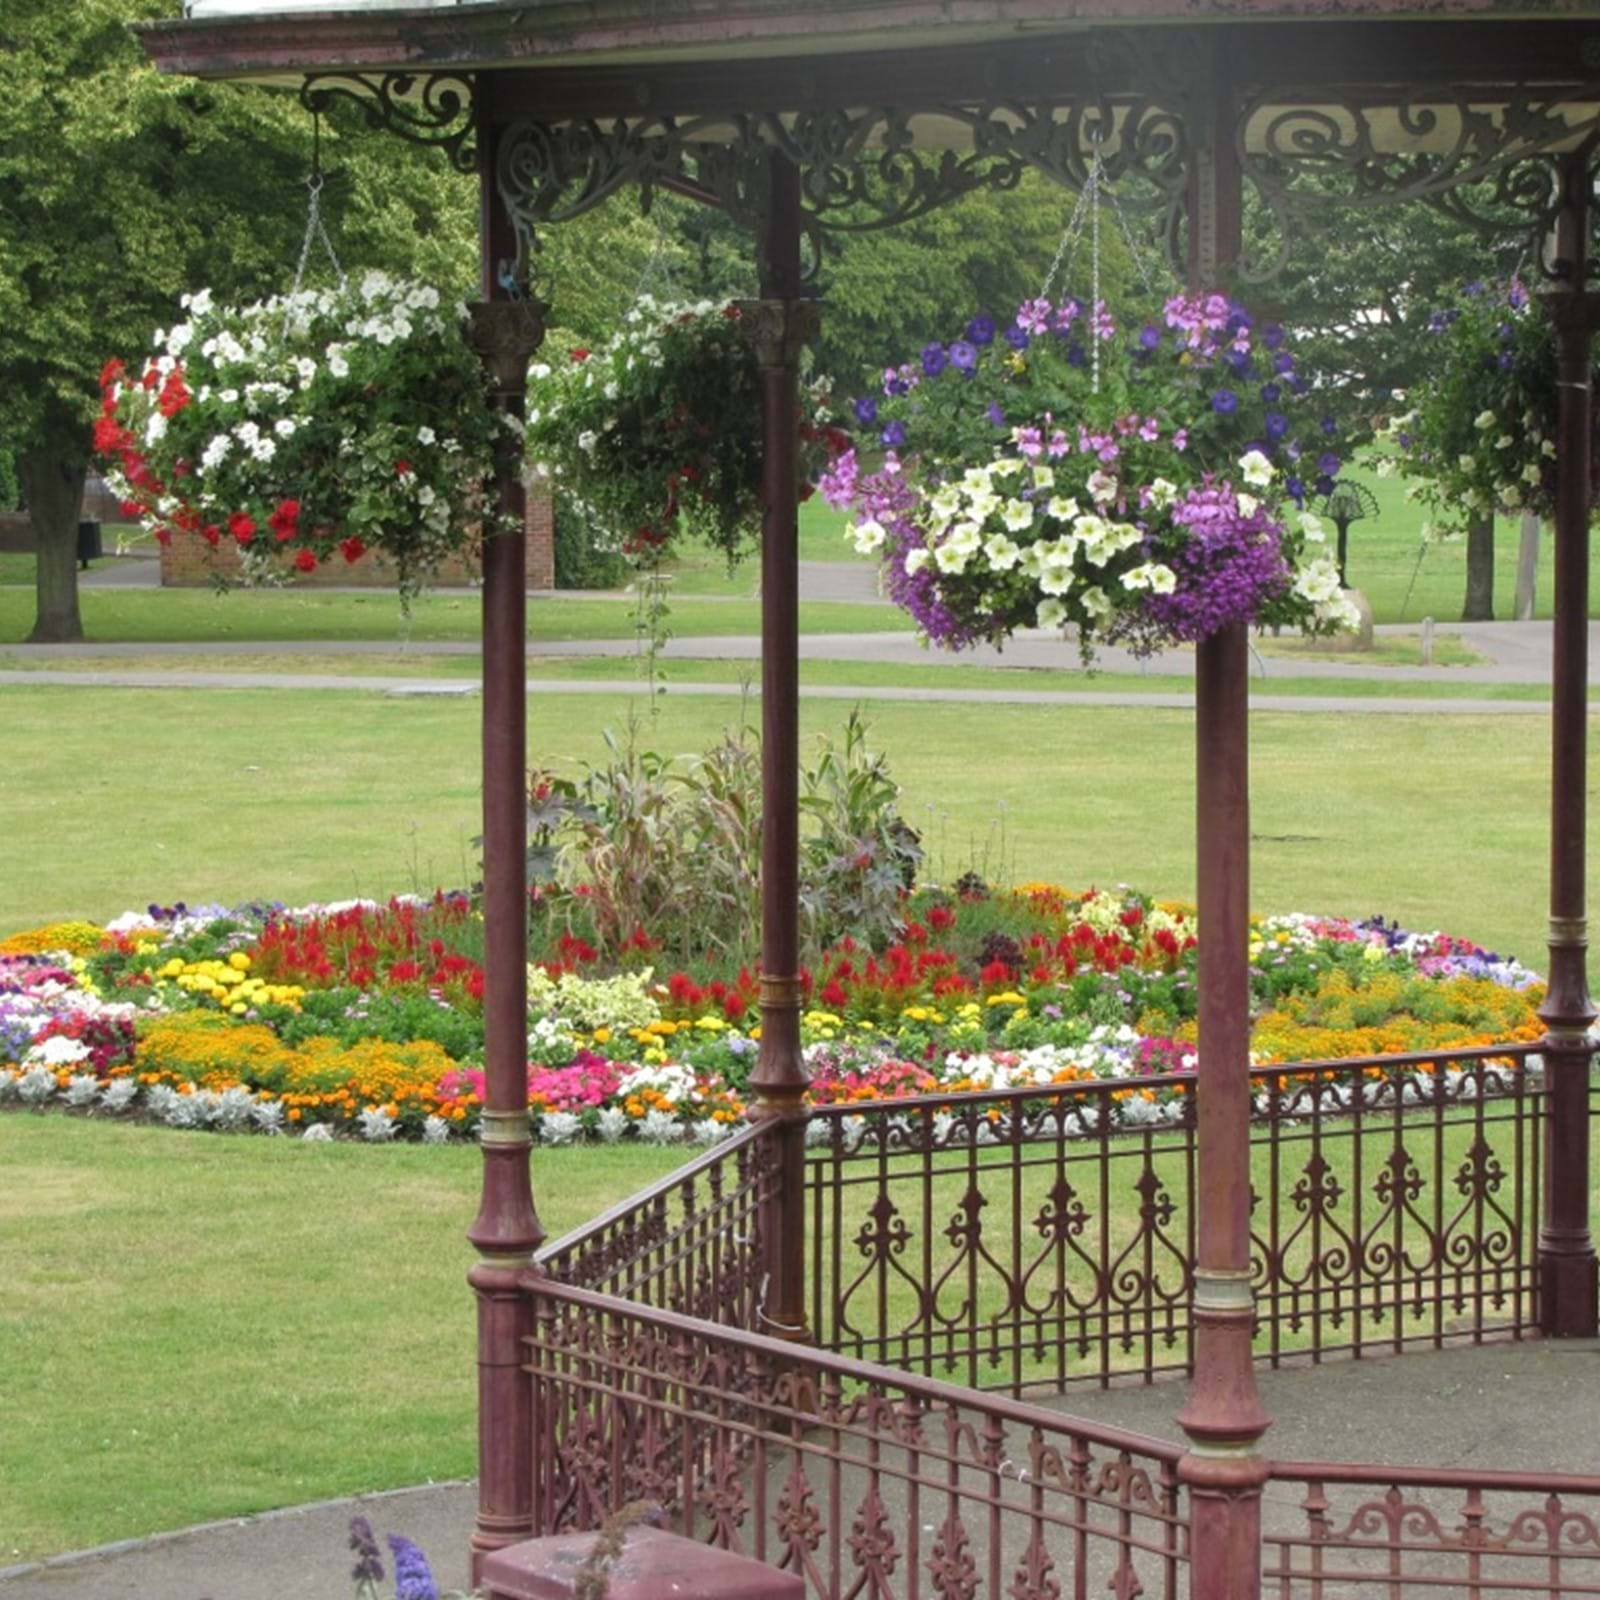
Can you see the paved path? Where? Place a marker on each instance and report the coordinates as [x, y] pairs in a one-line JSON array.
[[1525, 1406], [1518, 652], [445, 688]]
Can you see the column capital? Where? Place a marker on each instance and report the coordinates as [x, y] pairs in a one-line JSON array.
[[505, 334], [779, 330]]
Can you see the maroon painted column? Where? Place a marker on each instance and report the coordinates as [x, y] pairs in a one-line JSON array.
[[1223, 1417], [778, 326], [506, 1231], [1567, 1275]]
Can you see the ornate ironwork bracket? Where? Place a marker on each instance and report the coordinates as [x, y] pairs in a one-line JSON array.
[[1486, 160], [860, 170], [433, 109]]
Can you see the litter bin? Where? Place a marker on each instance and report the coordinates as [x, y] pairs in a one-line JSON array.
[[89, 546]]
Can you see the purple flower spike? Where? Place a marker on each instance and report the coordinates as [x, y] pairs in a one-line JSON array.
[[413, 1578], [369, 1563]]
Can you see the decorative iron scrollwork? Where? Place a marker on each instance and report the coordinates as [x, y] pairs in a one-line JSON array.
[[1487, 160], [434, 109], [860, 169]]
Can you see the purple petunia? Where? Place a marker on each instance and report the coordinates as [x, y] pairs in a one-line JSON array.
[[1271, 393], [1329, 427], [981, 330], [963, 356], [1017, 338], [934, 359], [866, 409], [1225, 402], [1283, 362], [894, 434], [995, 414], [1277, 425], [1272, 336], [1329, 463], [1150, 337]]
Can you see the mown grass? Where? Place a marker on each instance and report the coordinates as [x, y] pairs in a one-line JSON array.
[[199, 1326]]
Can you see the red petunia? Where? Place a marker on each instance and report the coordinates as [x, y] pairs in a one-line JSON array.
[[212, 534], [402, 468], [109, 435], [111, 371], [242, 526], [285, 520], [130, 508], [305, 561], [580, 354], [353, 549], [163, 535]]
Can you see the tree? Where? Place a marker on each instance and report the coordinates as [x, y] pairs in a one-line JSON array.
[[120, 189]]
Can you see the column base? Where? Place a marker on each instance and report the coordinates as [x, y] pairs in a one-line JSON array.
[[1569, 1289]]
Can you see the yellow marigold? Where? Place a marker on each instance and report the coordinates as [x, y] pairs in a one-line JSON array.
[[70, 938]]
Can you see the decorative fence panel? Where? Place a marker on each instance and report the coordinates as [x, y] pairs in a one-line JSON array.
[[1045, 1236], [1373, 1533], [869, 1482], [690, 1243]]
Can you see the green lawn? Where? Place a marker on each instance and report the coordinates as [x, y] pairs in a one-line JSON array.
[[115, 800], [197, 1326], [939, 673], [269, 1322], [112, 616]]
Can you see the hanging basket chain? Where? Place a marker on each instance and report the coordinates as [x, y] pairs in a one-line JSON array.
[[316, 228]]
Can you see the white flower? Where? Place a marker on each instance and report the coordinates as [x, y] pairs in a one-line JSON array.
[[263, 449], [1001, 553], [587, 440], [945, 502], [868, 536], [1504, 442], [1162, 493], [1257, 470], [1095, 602], [426, 436], [1008, 467], [1248, 505], [155, 428], [983, 505], [1340, 611], [1051, 614], [199, 303], [216, 451], [1485, 419], [1102, 488], [1017, 515], [952, 558], [1548, 449], [1318, 581], [1467, 463], [337, 364], [285, 427], [307, 368], [1311, 527], [1138, 577], [1063, 508], [916, 560], [1531, 473], [58, 1051]]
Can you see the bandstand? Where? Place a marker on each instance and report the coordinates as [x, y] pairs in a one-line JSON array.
[[845, 1341]]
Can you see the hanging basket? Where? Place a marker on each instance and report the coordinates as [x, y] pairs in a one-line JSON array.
[[1138, 486], [309, 428], [656, 435]]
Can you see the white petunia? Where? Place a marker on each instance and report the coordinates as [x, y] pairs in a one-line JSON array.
[[1248, 505], [1095, 602], [1258, 471], [1002, 554], [1051, 614], [1311, 527], [1017, 515], [868, 536], [1484, 419], [1063, 508], [916, 560], [426, 436], [1318, 581], [1102, 488], [1162, 493]]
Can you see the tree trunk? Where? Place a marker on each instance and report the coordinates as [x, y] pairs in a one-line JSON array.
[[54, 490], [1527, 567], [1480, 570]]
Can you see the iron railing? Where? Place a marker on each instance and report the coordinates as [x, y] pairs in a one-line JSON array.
[[1036, 1236], [869, 1482], [690, 1243], [1377, 1533]]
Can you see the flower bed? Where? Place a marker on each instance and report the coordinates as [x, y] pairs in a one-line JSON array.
[[366, 1021]]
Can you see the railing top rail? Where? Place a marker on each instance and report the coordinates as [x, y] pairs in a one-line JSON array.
[[675, 1179], [968, 1098], [1433, 1477], [850, 1370]]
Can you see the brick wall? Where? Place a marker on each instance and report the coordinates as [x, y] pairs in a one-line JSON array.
[[189, 563]]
